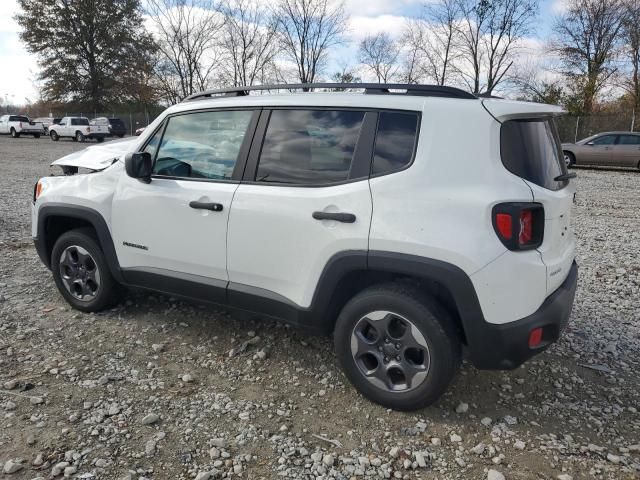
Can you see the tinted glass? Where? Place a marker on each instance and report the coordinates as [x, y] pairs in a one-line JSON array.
[[202, 145], [18, 118], [629, 140], [79, 121], [116, 122], [395, 141], [309, 146], [531, 149], [606, 140]]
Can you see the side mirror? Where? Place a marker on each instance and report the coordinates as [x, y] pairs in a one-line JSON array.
[[138, 165]]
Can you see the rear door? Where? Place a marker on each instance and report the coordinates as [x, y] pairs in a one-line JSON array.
[[304, 198], [626, 152], [531, 148]]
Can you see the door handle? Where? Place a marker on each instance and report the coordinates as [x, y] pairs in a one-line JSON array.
[[338, 217], [214, 207]]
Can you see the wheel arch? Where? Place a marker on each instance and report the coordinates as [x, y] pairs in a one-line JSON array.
[[350, 272], [54, 220]]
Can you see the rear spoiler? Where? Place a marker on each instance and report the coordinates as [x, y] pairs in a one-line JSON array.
[[503, 110]]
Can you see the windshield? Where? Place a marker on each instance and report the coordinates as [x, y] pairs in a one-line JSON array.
[[530, 149]]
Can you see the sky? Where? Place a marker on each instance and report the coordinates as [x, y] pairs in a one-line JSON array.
[[19, 69]]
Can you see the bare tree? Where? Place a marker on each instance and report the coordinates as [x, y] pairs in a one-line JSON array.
[[249, 43], [631, 29], [433, 41], [379, 54], [185, 31], [491, 34], [308, 29], [586, 40], [534, 84]]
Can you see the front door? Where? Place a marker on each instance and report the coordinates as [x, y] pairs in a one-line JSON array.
[[598, 151], [176, 225]]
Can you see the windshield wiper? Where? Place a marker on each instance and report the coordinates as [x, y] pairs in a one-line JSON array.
[[565, 176]]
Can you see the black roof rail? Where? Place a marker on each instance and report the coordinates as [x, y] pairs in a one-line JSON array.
[[369, 88]]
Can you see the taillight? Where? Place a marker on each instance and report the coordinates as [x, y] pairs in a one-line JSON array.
[[88, 129], [20, 124], [519, 225]]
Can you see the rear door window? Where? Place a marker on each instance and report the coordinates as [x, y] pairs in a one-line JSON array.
[[79, 121], [531, 150], [395, 141], [304, 147], [629, 140]]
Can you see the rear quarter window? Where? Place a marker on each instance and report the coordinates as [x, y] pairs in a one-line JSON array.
[[395, 141], [530, 149]]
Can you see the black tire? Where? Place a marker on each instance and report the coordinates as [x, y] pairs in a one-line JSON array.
[[14, 134], [121, 135], [36, 135], [570, 159], [432, 321], [80, 137], [54, 136], [107, 290], [100, 139]]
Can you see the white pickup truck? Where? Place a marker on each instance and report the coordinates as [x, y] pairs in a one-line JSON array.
[[79, 129], [16, 125]]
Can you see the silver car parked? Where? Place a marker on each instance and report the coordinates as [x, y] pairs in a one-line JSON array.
[[615, 149]]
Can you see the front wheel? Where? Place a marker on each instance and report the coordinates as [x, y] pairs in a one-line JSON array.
[[80, 137], [569, 159], [397, 346], [81, 273], [54, 136], [14, 134]]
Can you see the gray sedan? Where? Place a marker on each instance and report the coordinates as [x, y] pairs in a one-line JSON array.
[[616, 149]]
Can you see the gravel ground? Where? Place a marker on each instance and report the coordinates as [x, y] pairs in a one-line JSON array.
[[159, 388]]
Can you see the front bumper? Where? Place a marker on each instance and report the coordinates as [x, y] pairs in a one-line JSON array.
[[506, 346]]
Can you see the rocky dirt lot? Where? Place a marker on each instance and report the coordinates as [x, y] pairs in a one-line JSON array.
[[163, 389]]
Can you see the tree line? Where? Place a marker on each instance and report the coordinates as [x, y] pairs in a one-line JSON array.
[[96, 53]]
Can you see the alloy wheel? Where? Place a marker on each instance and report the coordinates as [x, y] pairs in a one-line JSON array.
[[79, 273], [390, 351]]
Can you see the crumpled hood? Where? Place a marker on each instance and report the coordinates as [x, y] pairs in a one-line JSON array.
[[97, 157]]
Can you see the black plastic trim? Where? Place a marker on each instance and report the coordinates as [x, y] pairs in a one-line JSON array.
[[89, 215], [184, 285]]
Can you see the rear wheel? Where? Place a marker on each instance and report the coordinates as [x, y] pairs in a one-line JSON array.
[[569, 159], [121, 135], [54, 136], [81, 273], [100, 139], [14, 134], [80, 137], [36, 135], [397, 346]]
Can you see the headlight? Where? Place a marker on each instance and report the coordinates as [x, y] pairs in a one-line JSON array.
[[38, 189]]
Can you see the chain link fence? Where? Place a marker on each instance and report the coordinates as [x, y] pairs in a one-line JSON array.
[[573, 128]]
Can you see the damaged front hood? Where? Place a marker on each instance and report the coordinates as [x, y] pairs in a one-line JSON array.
[[97, 157]]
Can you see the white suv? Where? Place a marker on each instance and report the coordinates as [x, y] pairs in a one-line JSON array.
[[410, 221]]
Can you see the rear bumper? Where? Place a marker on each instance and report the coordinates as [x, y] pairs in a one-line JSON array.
[[506, 346]]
